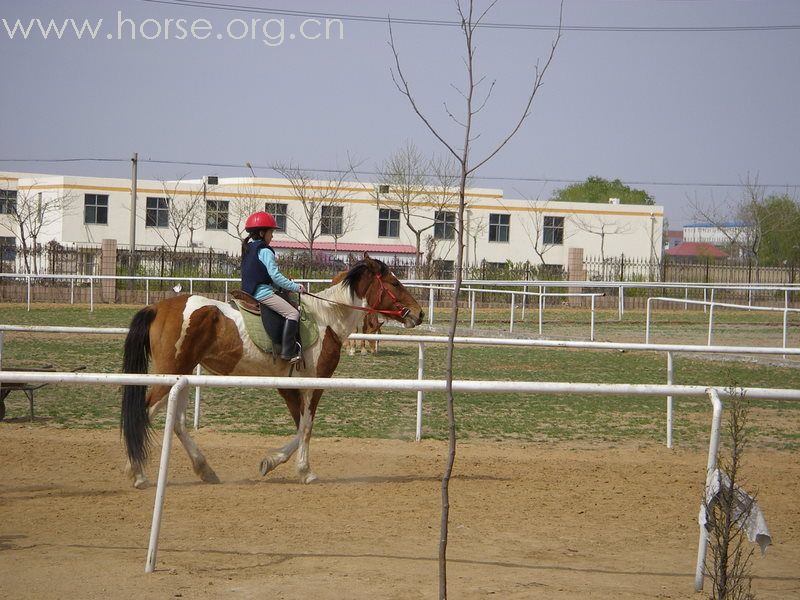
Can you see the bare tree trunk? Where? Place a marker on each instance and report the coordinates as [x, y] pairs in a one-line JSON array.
[[462, 157]]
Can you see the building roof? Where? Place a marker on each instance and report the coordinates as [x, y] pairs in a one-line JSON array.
[[697, 249], [714, 225], [347, 247], [675, 234]]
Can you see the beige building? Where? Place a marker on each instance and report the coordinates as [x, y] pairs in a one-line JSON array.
[[346, 218]]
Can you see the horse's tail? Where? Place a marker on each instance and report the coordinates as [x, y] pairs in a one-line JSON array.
[[135, 421]]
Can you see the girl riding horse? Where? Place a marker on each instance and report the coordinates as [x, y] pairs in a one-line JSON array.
[[175, 335]]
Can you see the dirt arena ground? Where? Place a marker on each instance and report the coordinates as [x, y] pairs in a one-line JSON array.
[[527, 521]]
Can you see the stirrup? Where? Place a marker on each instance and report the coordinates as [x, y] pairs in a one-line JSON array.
[[298, 355]]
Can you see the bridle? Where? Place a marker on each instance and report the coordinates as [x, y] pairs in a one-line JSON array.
[[402, 311]]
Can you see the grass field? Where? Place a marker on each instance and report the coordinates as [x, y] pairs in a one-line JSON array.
[[573, 418]]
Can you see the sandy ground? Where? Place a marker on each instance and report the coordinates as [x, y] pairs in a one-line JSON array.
[[527, 521]]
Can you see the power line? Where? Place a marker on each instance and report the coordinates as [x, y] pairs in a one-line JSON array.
[[243, 165], [447, 23]]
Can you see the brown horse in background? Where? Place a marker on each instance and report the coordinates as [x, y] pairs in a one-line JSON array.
[[175, 335], [371, 324]]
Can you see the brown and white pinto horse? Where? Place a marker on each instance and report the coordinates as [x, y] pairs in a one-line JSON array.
[[179, 333]]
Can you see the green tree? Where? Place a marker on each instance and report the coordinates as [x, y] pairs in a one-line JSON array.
[[779, 216], [599, 190]]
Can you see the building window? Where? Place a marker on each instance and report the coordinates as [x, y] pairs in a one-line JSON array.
[[331, 221], [157, 214], [95, 209], [8, 248], [8, 202], [499, 226], [279, 212], [553, 231], [444, 226], [388, 223], [217, 214]]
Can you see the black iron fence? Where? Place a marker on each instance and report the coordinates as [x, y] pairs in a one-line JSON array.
[[688, 270]]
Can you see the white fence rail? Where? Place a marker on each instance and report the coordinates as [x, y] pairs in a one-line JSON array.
[[447, 285], [710, 304], [423, 340], [180, 383]]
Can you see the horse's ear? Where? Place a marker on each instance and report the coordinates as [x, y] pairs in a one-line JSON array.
[[371, 264]]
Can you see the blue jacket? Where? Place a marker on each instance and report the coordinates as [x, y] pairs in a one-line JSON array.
[[260, 273]]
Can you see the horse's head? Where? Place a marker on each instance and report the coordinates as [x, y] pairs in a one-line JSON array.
[[371, 280]]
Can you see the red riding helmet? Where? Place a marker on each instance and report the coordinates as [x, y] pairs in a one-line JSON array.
[[260, 220]]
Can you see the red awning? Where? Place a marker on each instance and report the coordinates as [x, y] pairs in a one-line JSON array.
[[347, 247], [697, 249]]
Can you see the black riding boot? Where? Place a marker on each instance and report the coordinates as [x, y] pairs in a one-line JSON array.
[[290, 349]]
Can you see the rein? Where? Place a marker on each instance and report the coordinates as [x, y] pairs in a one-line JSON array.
[[402, 311]]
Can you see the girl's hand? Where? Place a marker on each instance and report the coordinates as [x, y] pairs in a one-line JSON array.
[[302, 289]]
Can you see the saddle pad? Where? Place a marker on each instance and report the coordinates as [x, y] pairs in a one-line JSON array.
[[309, 332]]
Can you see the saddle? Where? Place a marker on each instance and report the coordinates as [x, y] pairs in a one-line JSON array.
[[265, 326]]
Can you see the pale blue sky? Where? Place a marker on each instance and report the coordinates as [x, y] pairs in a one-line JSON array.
[[642, 106]]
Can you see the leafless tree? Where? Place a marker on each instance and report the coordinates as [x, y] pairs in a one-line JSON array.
[[184, 209], [728, 512], [322, 209], [602, 229], [244, 203], [28, 212], [533, 226], [474, 227], [739, 221], [470, 20], [413, 186]]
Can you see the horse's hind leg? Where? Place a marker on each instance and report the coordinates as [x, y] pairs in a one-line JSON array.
[[155, 400], [199, 463]]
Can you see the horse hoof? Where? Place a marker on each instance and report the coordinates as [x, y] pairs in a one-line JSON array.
[[141, 484], [308, 478], [266, 466], [209, 476]]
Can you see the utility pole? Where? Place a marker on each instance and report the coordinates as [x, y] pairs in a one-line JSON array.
[[131, 261]]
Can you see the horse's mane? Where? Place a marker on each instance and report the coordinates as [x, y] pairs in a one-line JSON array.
[[356, 272]]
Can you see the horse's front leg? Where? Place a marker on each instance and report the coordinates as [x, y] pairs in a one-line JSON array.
[[310, 399], [278, 456]]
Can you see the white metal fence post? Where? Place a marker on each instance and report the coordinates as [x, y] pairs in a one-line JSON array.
[[670, 381], [524, 297], [621, 309], [541, 310], [472, 309], [91, 294], [197, 402], [710, 323], [591, 331], [647, 322], [29, 292], [711, 465], [513, 308], [179, 388], [420, 393], [430, 307]]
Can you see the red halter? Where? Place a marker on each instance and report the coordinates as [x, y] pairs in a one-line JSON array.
[[402, 311]]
